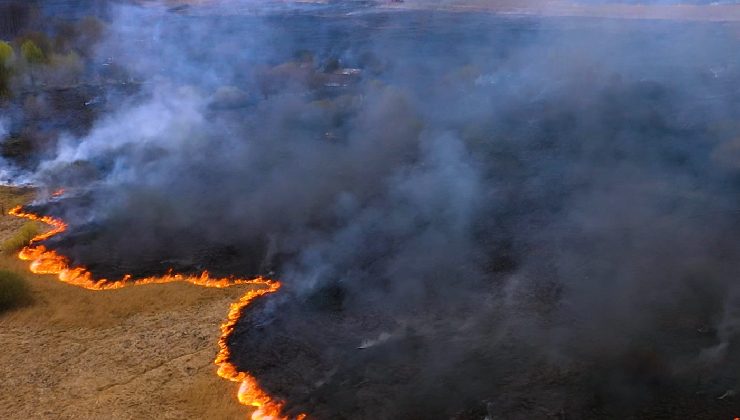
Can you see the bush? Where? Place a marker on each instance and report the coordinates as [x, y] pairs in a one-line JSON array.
[[32, 53], [4, 81], [6, 58], [6, 53], [21, 238], [65, 69], [14, 291]]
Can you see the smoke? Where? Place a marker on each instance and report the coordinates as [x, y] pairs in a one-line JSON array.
[[3, 135], [521, 216], [7, 171]]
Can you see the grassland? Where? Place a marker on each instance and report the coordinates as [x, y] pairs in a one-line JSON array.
[[141, 352]]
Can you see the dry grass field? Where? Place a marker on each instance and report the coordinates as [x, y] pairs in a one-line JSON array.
[[134, 353]]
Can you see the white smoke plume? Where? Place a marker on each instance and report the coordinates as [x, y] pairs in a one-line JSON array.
[[542, 210]]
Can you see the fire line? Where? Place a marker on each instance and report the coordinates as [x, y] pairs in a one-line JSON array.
[[46, 261]]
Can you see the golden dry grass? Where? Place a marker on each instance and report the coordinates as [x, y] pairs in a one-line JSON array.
[[20, 237], [140, 352]]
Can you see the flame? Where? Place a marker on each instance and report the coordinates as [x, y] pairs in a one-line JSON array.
[[46, 261], [249, 393]]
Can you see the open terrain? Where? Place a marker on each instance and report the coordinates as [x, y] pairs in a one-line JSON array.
[[713, 12], [558, 8], [141, 352], [474, 214]]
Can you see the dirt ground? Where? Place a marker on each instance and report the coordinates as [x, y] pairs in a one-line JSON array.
[[137, 353]]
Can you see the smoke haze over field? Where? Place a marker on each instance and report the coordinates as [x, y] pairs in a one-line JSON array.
[[511, 216]]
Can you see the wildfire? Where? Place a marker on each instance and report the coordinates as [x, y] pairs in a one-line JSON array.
[[249, 392], [46, 261]]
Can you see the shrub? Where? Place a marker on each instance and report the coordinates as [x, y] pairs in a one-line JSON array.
[[6, 58], [67, 68], [14, 291], [4, 81], [32, 53], [21, 238], [6, 53]]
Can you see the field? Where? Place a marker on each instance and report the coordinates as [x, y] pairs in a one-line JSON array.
[[474, 210], [612, 10], [143, 352]]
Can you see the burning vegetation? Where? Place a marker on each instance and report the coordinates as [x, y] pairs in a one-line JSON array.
[[45, 261], [471, 215]]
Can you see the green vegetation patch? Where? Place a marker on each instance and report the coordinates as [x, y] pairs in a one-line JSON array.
[[14, 291], [21, 238], [6, 53], [32, 53], [6, 58]]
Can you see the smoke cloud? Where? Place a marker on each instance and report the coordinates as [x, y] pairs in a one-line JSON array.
[[474, 215], [9, 173]]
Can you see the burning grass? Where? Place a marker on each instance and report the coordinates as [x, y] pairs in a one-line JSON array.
[[45, 261]]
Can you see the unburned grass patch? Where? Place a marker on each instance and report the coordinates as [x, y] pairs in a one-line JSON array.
[[14, 291], [14, 196], [20, 238]]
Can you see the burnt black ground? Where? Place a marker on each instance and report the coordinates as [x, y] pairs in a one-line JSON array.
[[307, 352], [531, 217]]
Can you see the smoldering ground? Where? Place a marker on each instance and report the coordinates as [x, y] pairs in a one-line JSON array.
[[473, 215]]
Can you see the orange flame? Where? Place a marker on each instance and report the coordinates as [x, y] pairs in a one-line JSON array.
[[45, 261], [250, 392]]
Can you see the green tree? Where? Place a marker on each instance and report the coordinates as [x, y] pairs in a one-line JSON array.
[[6, 58], [32, 53], [6, 53], [33, 56], [66, 69]]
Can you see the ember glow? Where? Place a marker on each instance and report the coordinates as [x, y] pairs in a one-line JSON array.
[[46, 261]]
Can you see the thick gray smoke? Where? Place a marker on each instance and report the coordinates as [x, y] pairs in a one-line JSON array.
[[9, 172], [473, 215], [5, 171]]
